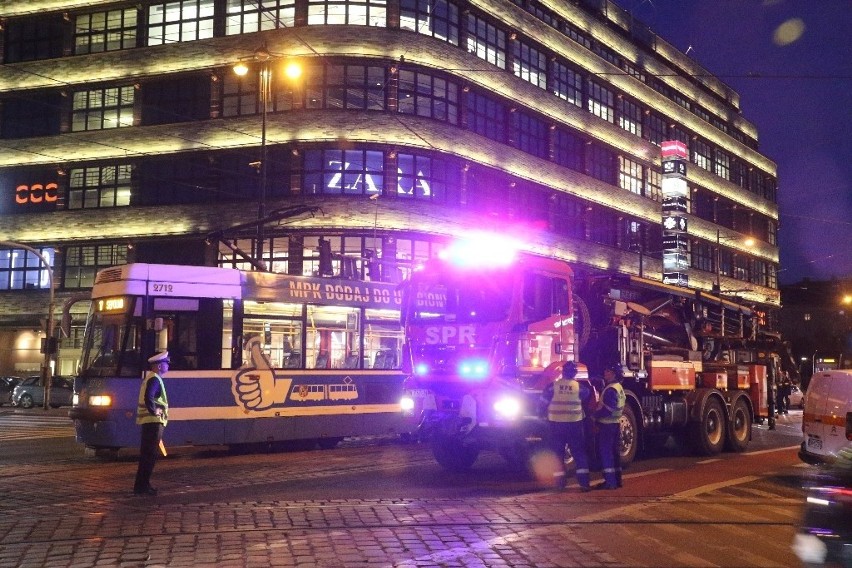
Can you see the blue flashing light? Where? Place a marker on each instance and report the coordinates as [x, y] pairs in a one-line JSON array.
[[473, 369], [421, 369]]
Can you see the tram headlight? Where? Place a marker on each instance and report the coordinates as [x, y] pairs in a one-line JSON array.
[[100, 400], [508, 407], [406, 403]]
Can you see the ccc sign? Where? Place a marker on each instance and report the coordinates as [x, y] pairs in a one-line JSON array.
[[36, 193]]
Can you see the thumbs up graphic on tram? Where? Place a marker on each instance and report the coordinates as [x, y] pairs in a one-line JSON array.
[[256, 385]]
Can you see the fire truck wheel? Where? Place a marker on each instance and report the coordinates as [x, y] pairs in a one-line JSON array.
[[739, 429], [707, 436], [629, 436], [452, 455]]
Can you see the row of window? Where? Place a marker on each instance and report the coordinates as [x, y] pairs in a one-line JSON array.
[[387, 259], [365, 87], [189, 20]]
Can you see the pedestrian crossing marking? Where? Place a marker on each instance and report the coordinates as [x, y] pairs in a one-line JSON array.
[[32, 427]]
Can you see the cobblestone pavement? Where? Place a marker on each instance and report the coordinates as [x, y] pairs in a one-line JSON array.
[[373, 502]]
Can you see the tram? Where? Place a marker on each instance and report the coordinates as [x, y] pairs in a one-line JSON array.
[[256, 357]]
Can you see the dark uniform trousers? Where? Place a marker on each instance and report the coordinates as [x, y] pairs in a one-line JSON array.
[[608, 437], [149, 450], [572, 434]]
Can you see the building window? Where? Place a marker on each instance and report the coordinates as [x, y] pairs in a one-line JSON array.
[[807, 317], [241, 95], [721, 164], [486, 41], [601, 102], [653, 184], [603, 226], [633, 71], [31, 114], [701, 155], [33, 38], [601, 163], [246, 16], [426, 95], [678, 133], [349, 172], [101, 109], [99, 186], [20, 269], [105, 31], [568, 217], [630, 116], [568, 150], [578, 36], [532, 134], [567, 84], [350, 12], [181, 20], [175, 99], [655, 129], [486, 117], [436, 18], [345, 86], [630, 175], [423, 177], [681, 100], [529, 64], [83, 263], [702, 256], [740, 173]]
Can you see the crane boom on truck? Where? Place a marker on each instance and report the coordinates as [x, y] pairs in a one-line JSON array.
[[486, 333]]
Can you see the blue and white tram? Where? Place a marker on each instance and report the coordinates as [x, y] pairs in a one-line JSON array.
[[255, 357]]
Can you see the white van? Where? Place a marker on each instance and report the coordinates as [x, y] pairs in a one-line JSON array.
[[827, 419]]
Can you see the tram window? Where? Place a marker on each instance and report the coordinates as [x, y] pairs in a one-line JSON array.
[[333, 337], [382, 339], [193, 329]]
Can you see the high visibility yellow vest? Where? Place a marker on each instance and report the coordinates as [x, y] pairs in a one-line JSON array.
[[142, 414], [565, 405], [614, 413]]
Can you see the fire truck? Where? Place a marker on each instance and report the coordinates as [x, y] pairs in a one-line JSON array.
[[486, 333]]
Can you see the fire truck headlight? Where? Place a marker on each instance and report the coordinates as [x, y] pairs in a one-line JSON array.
[[508, 407], [406, 403], [421, 369], [100, 400], [473, 369]]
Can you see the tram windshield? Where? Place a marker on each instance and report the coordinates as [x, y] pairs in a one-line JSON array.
[[112, 344]]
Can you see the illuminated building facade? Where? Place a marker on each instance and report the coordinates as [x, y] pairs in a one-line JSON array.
[[127, 136]]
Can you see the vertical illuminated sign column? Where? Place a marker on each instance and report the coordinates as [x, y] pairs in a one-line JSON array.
[[675, 243]]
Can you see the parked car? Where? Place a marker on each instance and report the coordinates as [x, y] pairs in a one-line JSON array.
[[797, 397], [31, 392], [7, 385], [825, 535]]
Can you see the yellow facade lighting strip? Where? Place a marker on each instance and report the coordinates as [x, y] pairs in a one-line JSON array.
[[218, 52], [559, 43]]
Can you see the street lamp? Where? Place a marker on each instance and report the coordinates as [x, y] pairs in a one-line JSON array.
[[48, 344], [292, 70]]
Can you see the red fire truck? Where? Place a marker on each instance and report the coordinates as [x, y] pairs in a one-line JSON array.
[[486, 333]]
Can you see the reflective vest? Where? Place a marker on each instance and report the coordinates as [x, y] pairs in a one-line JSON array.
[[565, 406], [614, 412], [142, 414]]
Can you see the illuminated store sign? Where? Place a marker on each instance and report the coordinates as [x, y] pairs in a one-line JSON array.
[[364, 182], [28, 190], [676, 259]]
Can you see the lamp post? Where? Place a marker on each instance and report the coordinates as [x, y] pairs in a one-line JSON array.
[[293, 70], [261, 55], [49, 325]]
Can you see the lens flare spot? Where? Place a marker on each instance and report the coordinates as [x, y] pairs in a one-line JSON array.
[[543, 465], [789, 32]]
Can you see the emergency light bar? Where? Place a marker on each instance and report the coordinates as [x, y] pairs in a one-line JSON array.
[[481, 251]]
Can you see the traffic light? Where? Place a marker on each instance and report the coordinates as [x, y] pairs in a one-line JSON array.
[[325, 266]]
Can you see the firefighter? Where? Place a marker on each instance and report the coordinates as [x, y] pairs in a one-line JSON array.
[[565, 398], [608, 418]]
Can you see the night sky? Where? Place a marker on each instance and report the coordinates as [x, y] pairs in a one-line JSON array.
[[791, 63]]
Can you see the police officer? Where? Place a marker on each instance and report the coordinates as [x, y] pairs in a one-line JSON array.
[[608, 418], [152, 413], [566, 397]]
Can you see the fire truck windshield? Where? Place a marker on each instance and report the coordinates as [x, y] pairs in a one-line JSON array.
[[482, 297]]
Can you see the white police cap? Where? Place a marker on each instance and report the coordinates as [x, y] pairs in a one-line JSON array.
[[159, 357]]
